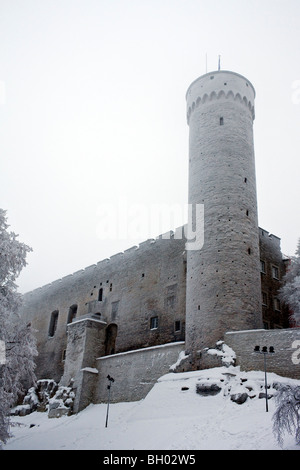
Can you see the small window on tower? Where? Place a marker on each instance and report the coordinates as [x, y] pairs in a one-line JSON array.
[[221, 121]]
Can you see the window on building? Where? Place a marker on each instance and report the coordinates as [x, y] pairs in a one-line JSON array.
[[100, 294], [264, 298], [221, 121], [153, 323], [275, 272], [177, 325], [277, 305], [53, 323], [72, 313], [262, 266]]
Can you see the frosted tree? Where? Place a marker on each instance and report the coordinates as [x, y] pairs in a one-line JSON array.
[[290, 291], [287, 415], [17, 341]]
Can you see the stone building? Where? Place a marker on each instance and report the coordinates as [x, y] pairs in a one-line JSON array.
[[165, 301], [273, 266]]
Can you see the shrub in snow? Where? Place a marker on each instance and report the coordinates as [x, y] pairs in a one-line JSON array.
[[287, 415], [47, 396], [290, 291], [17, 366], [62, 402]]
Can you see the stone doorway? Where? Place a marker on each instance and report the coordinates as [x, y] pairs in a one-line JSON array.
[[110, 339]]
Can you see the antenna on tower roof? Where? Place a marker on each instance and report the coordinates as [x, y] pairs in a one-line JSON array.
[[219, 64]]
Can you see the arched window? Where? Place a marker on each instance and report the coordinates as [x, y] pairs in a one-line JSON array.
[[53, 323], [72, 313], [100, 294]]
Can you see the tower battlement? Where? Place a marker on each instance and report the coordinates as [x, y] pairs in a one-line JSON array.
[[217, 85]]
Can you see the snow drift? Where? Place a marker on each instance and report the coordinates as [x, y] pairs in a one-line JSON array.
[[172, 416]]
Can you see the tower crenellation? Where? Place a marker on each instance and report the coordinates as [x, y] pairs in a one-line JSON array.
[[212, 86]]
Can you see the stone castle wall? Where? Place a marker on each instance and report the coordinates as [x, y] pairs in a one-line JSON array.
[[138, 285], [286, 343], [135, 372]]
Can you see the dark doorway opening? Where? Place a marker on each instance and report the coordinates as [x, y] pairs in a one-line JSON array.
[[110, 339]]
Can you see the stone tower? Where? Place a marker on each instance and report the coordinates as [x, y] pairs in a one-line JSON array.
[[223, 277]]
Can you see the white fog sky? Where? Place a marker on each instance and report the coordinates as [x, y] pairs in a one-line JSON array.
[[92, 116]]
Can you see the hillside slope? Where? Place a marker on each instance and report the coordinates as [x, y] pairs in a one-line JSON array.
[[172, 416]]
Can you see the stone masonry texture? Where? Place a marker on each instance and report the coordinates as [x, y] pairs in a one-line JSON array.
[[223, 281]]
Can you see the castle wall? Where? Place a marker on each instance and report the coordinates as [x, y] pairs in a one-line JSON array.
[[286, 342], [134, 372], [143, 295]]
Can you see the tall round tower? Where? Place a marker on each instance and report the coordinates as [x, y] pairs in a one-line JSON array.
[[223, 277]]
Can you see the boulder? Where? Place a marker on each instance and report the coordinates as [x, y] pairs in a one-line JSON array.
[[208, 389], [239, 398]]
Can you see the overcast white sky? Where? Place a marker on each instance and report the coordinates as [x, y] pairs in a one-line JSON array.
[[92, 116]]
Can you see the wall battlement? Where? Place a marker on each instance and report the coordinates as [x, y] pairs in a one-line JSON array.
[[116, 258], [270, 238]]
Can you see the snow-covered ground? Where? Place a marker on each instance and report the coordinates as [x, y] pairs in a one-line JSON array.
[[172, 417]]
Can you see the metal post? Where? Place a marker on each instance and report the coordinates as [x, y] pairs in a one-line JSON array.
[[108, 386], [108, 401], [265, 351], [266, 385]]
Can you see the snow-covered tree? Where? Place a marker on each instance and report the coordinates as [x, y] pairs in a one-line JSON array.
[[287, 415], [290, 292], [17, 363]]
